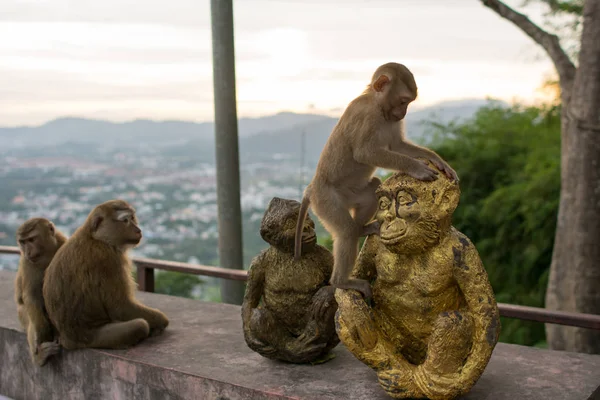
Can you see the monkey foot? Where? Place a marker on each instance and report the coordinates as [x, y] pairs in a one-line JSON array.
[[371, 229]]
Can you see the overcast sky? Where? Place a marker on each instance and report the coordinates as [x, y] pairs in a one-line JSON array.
[[127, 59]]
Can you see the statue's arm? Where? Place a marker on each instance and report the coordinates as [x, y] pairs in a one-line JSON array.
[[324, 260], [473, 281], [254, 286], [365, 267]]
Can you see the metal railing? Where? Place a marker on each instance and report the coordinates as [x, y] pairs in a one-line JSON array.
[[145, 279]]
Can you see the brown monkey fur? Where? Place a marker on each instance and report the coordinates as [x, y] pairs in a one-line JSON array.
[[89, 289], [368, 135], [38, 240]]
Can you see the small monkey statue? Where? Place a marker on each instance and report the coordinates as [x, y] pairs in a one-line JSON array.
[[38, 240], [368, 135], [434, 321], [295, 321]]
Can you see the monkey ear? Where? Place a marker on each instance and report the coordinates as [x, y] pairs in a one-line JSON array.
[[51, 227], [96, 220], [380, 83]]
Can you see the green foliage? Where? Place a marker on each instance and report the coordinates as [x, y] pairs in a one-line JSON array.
[[571, 7], [176, 284], [564, 17], [508, 161]]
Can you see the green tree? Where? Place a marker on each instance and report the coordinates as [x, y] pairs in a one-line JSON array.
[[176, 283], [508, 160], [575, 267]]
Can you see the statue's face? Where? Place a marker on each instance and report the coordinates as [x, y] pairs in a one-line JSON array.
[[278, 227], [398, 214], [414, 214]]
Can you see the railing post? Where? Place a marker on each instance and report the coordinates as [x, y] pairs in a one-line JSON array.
[[226, 144], [145, 278]]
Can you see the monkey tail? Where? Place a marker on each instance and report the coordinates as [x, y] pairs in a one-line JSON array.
[[300, 224]]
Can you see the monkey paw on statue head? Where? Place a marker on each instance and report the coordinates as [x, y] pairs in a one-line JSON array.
[[295, 322], [434, 321]]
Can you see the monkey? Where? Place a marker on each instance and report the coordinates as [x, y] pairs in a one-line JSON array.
[[89, 288], [38, 240], [368, 135]]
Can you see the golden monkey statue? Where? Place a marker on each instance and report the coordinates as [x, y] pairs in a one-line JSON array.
[[433, 322]]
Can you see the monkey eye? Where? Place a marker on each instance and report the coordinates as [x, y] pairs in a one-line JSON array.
[[384, 203]]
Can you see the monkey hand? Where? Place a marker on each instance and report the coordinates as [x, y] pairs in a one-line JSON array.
[[421, 171], [323, 301], [444, 167], [47, 349]]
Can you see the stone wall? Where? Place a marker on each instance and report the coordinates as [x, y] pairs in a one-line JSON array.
[[202, 355]]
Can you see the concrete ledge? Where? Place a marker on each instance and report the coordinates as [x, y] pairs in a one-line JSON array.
[[202, 355]]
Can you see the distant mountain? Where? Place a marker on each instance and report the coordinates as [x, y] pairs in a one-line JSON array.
[[289, 141], [263, 136]]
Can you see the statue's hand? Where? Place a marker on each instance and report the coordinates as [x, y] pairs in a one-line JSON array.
[[358, 320], [396, 381], [415, 382], [323, 300], [258, 345], [304, 348]]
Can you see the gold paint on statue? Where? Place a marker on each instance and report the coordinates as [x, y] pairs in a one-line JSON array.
[[433, 322]]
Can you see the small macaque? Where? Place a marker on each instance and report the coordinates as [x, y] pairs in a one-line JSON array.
[[89, 289], [38, 240], [369, 135]]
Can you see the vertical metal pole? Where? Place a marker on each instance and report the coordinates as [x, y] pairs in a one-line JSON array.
[[226, 143]]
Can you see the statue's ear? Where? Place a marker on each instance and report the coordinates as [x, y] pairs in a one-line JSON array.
[[447, 201], [264, 233]]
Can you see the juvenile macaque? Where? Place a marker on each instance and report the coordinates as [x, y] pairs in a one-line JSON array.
[[369, 134], [38, 240], [89, 290]]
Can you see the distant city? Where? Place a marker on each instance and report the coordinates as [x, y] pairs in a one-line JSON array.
[[166, 170]]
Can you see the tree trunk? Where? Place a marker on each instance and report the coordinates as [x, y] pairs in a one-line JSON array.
[[574, 283]]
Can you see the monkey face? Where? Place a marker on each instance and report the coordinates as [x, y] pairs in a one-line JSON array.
[[36, 239], [395, 88], [398, 216], [278, 226], [414, 215], [30, 247], [116, 225]]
